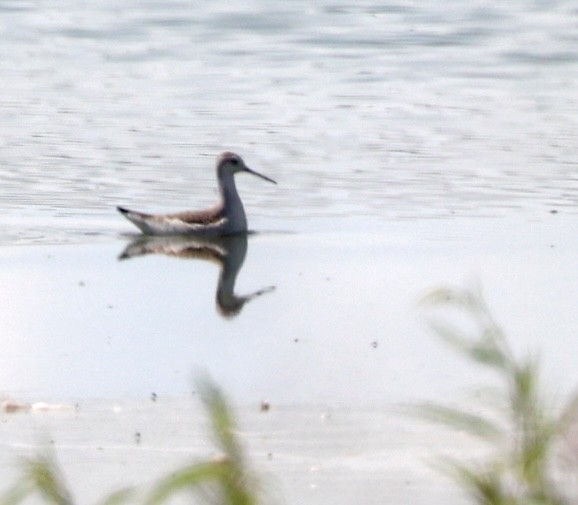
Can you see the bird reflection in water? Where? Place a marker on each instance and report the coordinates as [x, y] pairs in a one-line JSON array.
[[228, 252]]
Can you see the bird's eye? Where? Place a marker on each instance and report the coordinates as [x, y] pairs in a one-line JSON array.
[[234, 161]]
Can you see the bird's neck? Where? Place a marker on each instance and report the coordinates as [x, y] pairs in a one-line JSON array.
[[232, 203]]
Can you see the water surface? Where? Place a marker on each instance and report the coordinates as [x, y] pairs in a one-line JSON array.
[[414, 145], [394, 110]]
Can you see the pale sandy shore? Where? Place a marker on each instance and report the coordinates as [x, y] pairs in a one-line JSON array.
[[310, 455]]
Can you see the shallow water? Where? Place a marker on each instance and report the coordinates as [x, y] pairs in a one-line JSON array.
[[414, 146], [323, 318], [334, 342]]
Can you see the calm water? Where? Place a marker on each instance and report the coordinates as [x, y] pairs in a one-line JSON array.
[[414, 145], [395, 110]]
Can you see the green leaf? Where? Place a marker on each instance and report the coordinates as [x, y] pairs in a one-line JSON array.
[[16, 494], [118, 497], [44, 476], [458, 419], [190, 478]]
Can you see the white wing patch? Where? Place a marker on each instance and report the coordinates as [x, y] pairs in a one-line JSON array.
[[162, 225]]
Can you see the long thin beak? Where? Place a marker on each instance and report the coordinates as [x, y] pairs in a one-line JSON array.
[[247, 169]]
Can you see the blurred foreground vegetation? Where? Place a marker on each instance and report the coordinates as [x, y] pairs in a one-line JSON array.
[[526, 434], [225, 480]]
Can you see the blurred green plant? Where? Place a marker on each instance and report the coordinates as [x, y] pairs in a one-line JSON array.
[[232, 483], [522, 428], [40, 475], [225, 480]]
